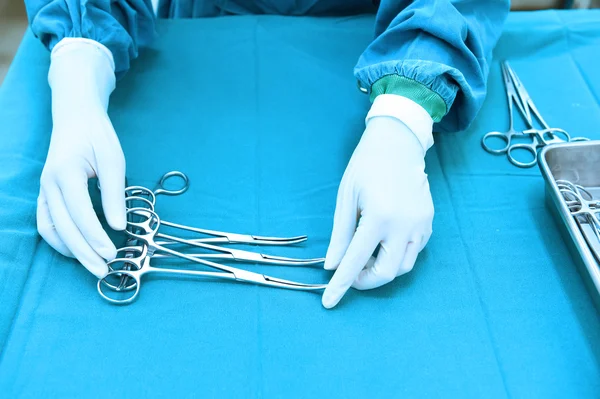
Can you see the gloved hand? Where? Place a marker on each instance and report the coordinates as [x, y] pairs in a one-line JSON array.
[[383, 199], [83, 145]]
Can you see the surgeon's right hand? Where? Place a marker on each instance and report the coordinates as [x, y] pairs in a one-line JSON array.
[[83, 145]]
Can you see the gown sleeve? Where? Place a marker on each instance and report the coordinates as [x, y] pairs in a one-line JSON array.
[[436, 53]]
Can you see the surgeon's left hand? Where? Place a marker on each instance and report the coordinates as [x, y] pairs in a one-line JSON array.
[[383, 199]]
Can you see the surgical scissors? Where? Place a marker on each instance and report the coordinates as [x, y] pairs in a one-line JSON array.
[[517, 94], [145, 230]]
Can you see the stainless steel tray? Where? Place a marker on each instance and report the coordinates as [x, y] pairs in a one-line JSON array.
[[578, 162]]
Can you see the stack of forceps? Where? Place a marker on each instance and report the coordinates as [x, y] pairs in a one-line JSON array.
[[147, 244], [585, 210], [517, 95]]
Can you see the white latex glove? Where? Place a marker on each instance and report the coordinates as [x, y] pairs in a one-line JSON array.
[[383, 199], [83, 145]]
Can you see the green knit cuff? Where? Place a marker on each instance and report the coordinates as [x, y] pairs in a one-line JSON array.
[[432, 102]]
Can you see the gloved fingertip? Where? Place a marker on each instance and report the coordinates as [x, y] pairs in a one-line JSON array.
[[120, 225], [64, 251], [361, 282], [329, 300], [100, 270], [329, 264], [366, 281], [108, 253], [113, 204], [117, 222]]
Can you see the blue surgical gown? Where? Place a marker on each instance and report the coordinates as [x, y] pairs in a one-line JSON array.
[[436, 53]]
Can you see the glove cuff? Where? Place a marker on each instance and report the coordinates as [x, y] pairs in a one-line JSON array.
[[81, 70], [415, 117], [77, 43]]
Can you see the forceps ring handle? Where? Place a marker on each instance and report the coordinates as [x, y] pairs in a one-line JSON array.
[[503, 136], [148, 226], [161, 184], [124, 284], [146, 201], [531, 148], [120, 274]]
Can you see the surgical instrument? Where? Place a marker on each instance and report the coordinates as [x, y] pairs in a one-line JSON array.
[[584, 210], [136, 262], [507, 136], [216, 237], [231, 254], [133, 193], [580, 206], [144, 198], [145, 230], [517, 94], [160, 187]]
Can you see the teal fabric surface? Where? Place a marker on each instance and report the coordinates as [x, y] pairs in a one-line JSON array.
[[494, 307]]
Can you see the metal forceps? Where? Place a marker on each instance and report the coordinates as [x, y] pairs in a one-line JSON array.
[[160, 187], [144, 202], [143, 192], [517, 94], [222, 253], [511, 96], [218, 237], [215, 237], [579, 206], [140, 265], [148, 196]]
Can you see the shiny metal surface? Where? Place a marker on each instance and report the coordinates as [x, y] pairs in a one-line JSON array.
[[122, 284], [518, 96], [576, 162]]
